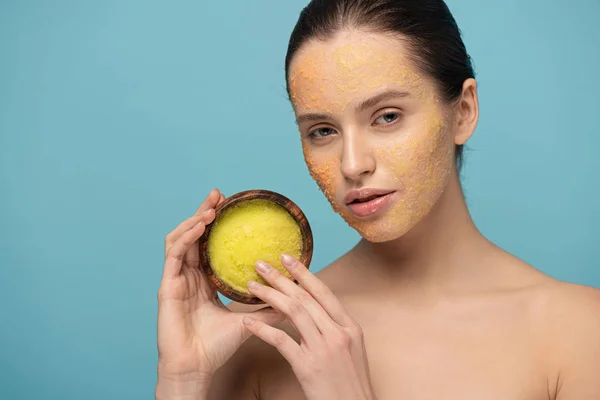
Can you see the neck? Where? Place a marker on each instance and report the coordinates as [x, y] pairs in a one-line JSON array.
[[435, 252]]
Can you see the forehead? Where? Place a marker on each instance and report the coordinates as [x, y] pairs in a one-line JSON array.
[[329, 75]]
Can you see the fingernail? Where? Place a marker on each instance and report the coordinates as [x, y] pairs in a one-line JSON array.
[[287, 260], [254, 285], [248, 320], [207, 211], [262, 267]]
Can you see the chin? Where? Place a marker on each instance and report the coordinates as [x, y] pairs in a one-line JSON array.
[[380, 231], [385, 228], [381, 236]]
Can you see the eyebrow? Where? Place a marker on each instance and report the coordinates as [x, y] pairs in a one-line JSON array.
[[387, 95], [313, 117], [373, 101]]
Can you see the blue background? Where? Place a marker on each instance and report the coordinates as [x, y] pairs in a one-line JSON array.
[[117, 117]]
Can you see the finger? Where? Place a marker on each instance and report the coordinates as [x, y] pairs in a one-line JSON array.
[[210, 202], [174, 259], [277, 338], [288, 287], [206, 217], [192, 257], [292, 309], [267, 315], [317, 289]]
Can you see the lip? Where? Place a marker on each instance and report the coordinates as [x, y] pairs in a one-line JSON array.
[[369, 208], [364, 193]]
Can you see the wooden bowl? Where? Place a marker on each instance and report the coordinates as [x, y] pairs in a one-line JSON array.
[[205, 263]]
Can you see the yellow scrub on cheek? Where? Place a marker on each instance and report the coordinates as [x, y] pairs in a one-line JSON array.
[[324, 170], [421, 165]]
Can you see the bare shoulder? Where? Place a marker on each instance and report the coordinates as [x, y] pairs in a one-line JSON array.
[[587, 297], [577, 304], [570, 315]]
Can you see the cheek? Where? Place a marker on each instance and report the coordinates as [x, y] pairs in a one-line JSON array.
[[421, 161], [325, 170], [421, 166]]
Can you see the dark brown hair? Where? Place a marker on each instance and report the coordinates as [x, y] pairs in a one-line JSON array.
[[433, 36]]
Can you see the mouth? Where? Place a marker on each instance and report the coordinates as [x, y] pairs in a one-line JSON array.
[[368, 202]]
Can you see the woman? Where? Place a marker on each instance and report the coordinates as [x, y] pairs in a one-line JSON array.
[[423, 307]]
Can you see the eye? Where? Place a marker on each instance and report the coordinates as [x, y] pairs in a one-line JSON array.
[[387, 118], [321, 133]]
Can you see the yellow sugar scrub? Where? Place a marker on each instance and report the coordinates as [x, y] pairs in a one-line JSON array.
[[252, 230], [250, 226]]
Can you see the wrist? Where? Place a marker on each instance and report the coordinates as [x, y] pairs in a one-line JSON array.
[[182, 388]]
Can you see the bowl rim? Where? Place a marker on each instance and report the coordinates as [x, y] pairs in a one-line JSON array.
[[255, 194]]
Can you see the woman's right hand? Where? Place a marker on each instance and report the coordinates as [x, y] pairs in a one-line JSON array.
[[196, 333]]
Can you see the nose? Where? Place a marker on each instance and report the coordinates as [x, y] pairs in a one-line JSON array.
[[357, 160]]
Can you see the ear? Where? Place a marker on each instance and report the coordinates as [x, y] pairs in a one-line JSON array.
[[467, 112]]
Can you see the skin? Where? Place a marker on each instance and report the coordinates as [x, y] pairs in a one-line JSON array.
[[444, 312]]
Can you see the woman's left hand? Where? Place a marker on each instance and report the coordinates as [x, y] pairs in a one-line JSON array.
[[330, 362]]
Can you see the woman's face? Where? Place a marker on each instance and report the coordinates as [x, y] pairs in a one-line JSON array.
[[374, 132]]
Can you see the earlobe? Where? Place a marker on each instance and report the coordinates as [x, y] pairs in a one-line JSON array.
[[467, 112]]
